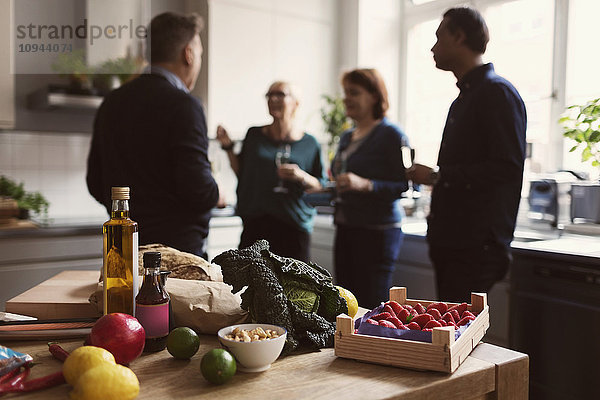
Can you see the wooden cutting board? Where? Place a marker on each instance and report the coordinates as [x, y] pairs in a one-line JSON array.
[[65, 295]]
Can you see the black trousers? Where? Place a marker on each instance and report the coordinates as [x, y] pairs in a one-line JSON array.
[[459, 272], [284, 239]]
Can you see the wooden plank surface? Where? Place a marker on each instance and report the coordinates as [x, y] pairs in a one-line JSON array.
[[313, 375], [512, 371], [62, 296]]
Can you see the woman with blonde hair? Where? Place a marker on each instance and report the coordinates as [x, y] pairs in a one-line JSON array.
[[277, 163]]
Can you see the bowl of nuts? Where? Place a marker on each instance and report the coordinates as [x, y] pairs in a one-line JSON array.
[[255, 346]]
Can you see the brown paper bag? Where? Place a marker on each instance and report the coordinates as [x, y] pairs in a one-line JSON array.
[[204, 306]]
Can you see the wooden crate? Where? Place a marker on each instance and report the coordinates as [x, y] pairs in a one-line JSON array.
[[443, 354]]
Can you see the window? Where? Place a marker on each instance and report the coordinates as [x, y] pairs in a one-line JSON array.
[[429, 92], [583, 59], [523, 39]]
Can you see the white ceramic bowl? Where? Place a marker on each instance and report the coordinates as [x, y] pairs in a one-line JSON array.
[[254, 356]]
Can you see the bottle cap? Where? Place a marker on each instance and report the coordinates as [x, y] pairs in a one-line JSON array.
[[152, 259], [119, 193]]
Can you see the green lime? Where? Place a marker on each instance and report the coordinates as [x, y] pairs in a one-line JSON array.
[[218, 366], [183, 342]]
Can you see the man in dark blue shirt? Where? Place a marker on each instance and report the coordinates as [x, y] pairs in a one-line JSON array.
[[477, 184]]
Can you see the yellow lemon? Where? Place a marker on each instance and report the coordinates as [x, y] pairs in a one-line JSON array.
[[107, 382], [82, 359], [350, 300]]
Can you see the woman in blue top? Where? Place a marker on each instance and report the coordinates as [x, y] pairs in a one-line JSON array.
[[277, 163], [370, 179]]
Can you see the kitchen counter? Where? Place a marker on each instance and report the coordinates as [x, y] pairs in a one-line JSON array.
[[55, 227], [30, 255], [489, 372]]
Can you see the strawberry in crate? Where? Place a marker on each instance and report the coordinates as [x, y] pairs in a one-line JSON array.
[[414, 322]]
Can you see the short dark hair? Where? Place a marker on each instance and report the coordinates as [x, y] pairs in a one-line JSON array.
[[371, 80], [473, 25], [169, 34]]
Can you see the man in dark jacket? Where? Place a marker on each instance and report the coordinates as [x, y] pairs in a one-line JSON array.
[[150, 135], [477, 184]]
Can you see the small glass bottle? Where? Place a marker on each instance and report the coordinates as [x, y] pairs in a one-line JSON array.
[[120, 256], [152, 304]]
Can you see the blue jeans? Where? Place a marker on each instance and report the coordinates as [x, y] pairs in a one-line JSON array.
[[365, 261]]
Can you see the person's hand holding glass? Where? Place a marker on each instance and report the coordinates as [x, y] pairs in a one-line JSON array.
[[282, 157]]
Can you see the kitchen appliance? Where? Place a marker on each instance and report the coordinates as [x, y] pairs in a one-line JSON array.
[[549, 197], [585, 202]]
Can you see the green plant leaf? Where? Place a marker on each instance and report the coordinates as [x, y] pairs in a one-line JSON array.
[[573, 148]]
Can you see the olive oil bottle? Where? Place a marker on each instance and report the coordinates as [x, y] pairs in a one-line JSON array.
[[120, 256]]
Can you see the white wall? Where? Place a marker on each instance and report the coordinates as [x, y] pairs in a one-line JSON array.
[[253, 43], [55, 165]]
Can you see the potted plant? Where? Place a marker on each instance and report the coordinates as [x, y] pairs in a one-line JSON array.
[[581, 124], [26, 201], [333, 114], [74, 66], [122, 69]]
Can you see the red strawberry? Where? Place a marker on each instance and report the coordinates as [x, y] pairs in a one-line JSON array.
[[448, 317], [420, 309], [450, 323], [432, 324], [380, 316], [467, 314], [455, 315], [413, 326], [372, 322], [387, 324], [427, 330], [441, 307], [461, 308], [395, 321], [397, 307], [422, 319], [403, 327], [464, 320], [444, 323], [387, 308], [402, 315], [435, 313], [355, 331], [408, 307]]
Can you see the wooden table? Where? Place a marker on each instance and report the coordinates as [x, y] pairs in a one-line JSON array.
[[490, 372]]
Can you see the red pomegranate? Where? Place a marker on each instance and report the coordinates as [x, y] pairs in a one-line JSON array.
[[121, 334]]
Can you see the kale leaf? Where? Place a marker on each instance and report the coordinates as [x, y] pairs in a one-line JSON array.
[[268, 277]]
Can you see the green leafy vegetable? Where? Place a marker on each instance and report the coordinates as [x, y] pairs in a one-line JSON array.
[[283, 291]]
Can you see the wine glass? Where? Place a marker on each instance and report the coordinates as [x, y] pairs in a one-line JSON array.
[[342, 167], [282, 157]]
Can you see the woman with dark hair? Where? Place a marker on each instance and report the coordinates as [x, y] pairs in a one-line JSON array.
[[370, 179], [277, 163]]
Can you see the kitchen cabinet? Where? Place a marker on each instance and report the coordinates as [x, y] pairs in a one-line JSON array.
[[30, 256], [28, 259], [7, 79], [555, 318]]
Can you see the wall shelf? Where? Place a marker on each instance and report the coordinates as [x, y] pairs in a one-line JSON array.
[[52, 97]]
